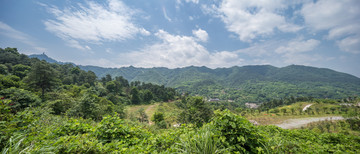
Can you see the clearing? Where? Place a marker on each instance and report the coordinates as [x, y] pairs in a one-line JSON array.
[[297, 123]]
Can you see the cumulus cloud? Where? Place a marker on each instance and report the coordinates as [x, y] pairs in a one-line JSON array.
[[251, 19], [94, 23], [179, 51], [294, 51], [340, 18], [350, 44], [284, 52], [201, 35], [298, 46]]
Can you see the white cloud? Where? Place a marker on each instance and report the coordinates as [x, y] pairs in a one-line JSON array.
[[298, 46], [10, 32], [284, 52], [179, 51], [165, 14], [94, 23], [327, 14], [302, 59], [350, 44], [263, 49], [251, 19], [201, 35], [188, 1], [193, 1], [340, 18], [294, 52]]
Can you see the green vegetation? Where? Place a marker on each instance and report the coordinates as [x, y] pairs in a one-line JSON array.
[[60, 108], [349, 126], [256, 84]]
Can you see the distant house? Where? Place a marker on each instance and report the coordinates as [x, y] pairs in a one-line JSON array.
[[251, 105], [213, 100]]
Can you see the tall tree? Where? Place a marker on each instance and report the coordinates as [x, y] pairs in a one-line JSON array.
[[42, 76], [135, 96], [148, 96], [195, 111]]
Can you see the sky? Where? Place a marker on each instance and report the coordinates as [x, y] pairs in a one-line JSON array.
[[181, 33]]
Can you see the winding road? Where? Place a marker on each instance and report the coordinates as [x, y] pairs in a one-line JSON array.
[[306, 107]]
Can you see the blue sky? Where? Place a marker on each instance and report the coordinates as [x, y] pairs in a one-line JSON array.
[[180, 33]]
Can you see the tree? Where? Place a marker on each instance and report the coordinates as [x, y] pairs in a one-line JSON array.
[[20, 70], [332, 109], [9, 81], [3, 69], [113, 87], [325, 109], [195, 111], [108, 78], [135, 97], [91, 78], [159, 119], [20, 98], [148, 96], [92, 106], [283, 110], [292, 111], [142, 116], [123, 81], [42, 76]]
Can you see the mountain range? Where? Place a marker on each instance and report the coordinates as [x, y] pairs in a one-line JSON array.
[[255, 83]]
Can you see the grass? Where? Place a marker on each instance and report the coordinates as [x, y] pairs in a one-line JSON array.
[[338, 126], [316, 110], [200, 142], [169, 109]]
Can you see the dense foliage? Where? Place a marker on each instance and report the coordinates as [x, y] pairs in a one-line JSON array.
[[243, 84], [248, 83], [60, 108], [37, 131]]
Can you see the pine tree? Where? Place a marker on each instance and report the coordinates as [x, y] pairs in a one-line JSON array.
[[42, 76]]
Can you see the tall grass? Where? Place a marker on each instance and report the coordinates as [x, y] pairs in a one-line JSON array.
[[200, 142], [14, 145]]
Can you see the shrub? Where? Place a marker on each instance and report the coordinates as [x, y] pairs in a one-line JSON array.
[[20, 98], [113, 128], [202, 141], [237, 133]]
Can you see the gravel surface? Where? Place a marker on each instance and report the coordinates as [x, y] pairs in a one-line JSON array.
[[306, 107], [297, 123]]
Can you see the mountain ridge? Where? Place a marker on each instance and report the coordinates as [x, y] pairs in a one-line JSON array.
[[251, 83]]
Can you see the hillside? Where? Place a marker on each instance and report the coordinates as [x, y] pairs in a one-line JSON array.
[[258, 83], [56, 108]]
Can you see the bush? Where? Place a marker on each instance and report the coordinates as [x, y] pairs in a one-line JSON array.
[[20, 98], [115, 129], [74, 127], [237, 133], [202, 141], [9, 81]]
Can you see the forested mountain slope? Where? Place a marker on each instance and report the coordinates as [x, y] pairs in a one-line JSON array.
[[257, 83]]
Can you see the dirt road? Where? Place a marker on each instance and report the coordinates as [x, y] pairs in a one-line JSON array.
[[306, 107], [297, 123]]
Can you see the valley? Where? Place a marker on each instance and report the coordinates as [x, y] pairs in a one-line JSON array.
[[179, 77], [61, 108]]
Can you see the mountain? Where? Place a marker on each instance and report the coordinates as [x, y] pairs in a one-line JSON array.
[[43, 56], [256, 83]]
